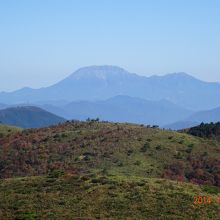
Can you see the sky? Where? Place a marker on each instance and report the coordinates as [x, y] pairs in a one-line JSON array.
[[43, 41]]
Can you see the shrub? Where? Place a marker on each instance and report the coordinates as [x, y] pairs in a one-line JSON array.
[[145, 147], [158, 147], [137, 163], [28, 215], [55, 173], [129, 152], [211, 189], [190, 145], [181, 141]]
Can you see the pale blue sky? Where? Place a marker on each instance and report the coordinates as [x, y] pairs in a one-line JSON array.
[[42, 41]]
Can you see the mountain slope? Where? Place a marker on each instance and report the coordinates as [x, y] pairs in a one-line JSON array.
[[103, 82], [123, 109], [28, 117]]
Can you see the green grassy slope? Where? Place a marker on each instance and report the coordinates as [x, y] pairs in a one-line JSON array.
[[102, 170], [119, 149], [7, 130], [98, 197]]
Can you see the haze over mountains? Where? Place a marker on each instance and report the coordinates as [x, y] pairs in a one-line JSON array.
[[112, 93], [122, 109], [196, 118]]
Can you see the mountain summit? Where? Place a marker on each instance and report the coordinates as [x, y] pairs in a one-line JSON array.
[[100, 72]]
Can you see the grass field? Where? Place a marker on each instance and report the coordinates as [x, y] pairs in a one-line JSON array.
[[102, 170], [101, 197]]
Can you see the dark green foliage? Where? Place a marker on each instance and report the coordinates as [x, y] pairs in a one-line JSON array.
[[55, 173], [158, 147], [191, 145], [138, 163], [211, 189], [210, 130], [145, 147], [130, 152], [27, 215], [181, 141], [155, 126]]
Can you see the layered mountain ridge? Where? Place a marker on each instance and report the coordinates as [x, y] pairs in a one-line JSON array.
[[103, 82]]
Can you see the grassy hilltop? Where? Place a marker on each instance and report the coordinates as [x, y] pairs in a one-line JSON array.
[[107, 170], [6, 130]]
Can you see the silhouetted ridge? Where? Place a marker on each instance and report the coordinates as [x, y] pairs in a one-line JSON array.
[[28, 117]]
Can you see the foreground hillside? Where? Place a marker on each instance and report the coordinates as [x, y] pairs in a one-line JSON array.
[[116, 149], [104, 197], [102, 170], [28, 117]]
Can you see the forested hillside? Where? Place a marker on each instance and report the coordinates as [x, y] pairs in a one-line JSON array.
[[205, 130]]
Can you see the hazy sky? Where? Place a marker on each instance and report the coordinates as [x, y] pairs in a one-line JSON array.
[[42, 41]]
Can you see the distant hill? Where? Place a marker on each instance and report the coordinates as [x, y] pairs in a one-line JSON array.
[[122, 109], [28, 117], [212, 115], [103, 82], [180, 125], [196, 118]]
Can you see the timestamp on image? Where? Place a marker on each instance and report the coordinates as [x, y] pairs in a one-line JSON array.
[[203, 200]]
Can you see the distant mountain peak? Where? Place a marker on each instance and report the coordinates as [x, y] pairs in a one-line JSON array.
[[100, 72], [175, 75], [101, 68], [180, 75]]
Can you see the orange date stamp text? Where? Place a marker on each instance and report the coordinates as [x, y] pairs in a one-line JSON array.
[[205, 200]]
